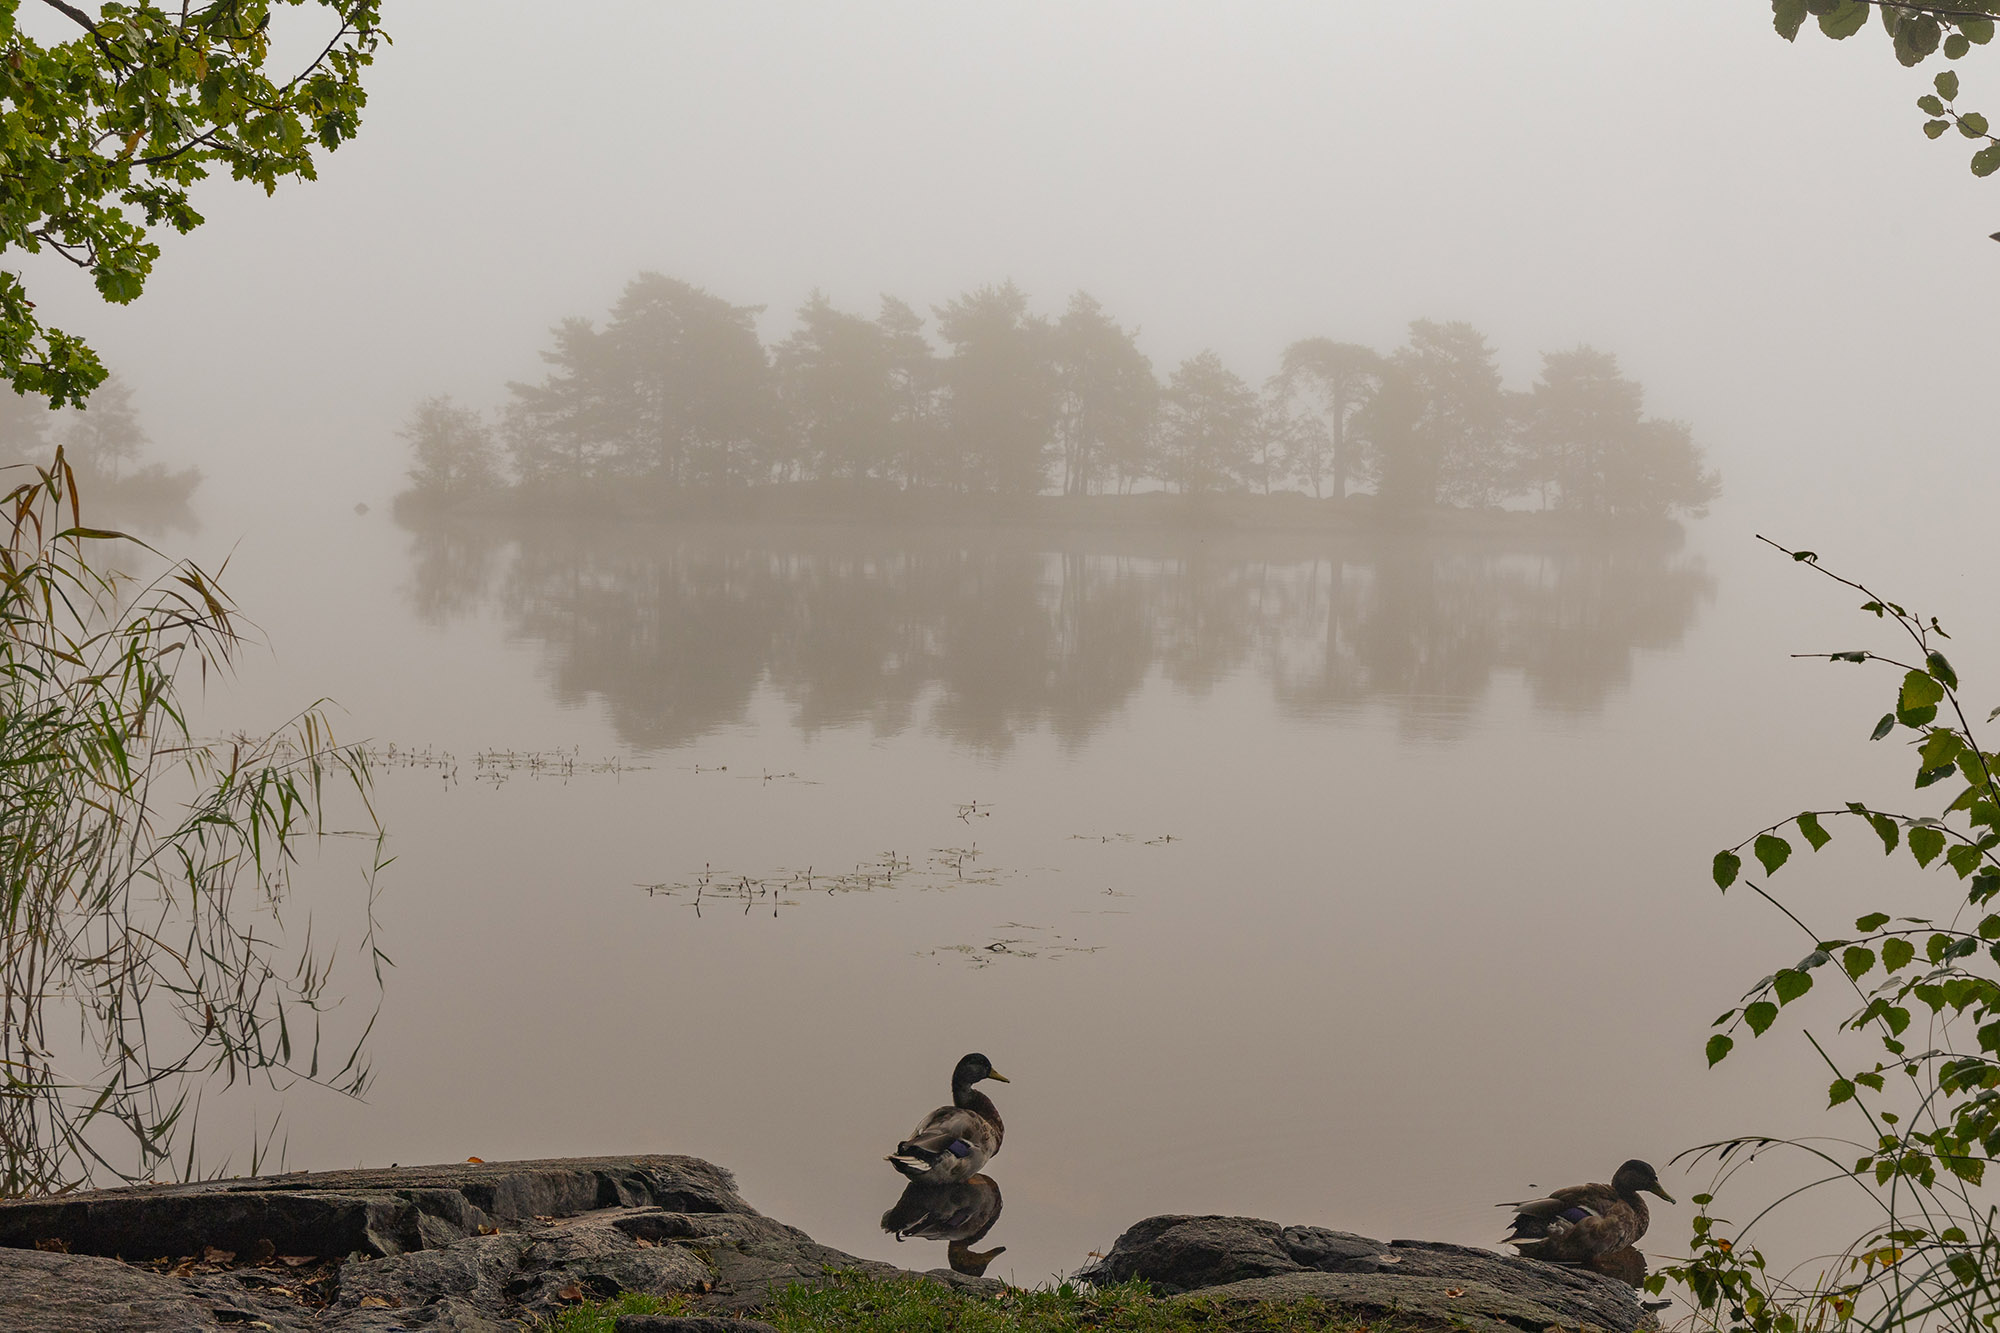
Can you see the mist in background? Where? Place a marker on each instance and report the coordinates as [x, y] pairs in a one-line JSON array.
[[1757, 230]]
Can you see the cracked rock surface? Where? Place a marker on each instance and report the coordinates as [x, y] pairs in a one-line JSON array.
[[1418, 1283], [471, 1248]]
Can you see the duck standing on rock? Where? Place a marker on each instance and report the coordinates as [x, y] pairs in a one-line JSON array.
[[1584, 1224], [953, 1142]]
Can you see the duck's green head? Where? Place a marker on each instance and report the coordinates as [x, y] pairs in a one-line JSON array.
[[973, 1068], [1635, 1176]]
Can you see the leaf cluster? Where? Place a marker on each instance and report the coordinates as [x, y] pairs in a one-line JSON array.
[[1917, 32], [102, 135], [1927, 989]]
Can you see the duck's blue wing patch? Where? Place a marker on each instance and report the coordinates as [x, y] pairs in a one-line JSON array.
[[959, 1148]]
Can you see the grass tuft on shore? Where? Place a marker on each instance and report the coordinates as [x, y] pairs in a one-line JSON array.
[[854, 1302]]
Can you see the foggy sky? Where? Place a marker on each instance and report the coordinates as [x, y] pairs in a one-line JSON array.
[[1758, 230]]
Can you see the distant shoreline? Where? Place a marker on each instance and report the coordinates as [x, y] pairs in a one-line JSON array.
[[843, 504]]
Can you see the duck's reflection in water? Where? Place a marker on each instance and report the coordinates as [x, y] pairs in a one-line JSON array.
[[960, 1214], [1627, 1265]]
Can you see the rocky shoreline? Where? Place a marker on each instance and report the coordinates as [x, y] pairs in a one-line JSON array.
[[486, 1247]]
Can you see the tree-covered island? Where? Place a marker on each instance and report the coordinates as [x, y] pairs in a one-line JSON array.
[[675, 398]]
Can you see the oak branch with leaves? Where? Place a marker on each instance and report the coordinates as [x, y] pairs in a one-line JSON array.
[[102, 135], [1917, 31]]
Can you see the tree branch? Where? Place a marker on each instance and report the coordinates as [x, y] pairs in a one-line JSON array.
[[89, 24]]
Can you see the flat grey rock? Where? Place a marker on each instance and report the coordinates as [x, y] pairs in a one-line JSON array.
[[1420, 1283], [335, 1213], [660, 1323], [479, 1247]]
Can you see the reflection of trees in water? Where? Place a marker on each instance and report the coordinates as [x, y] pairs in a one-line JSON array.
[[1425, 630], [982, 641]]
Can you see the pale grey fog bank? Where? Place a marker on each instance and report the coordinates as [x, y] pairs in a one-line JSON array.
[[1355, 879]]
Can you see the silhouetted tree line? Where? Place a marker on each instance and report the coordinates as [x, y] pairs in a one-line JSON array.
[[102, 441], [676, 391], [675, 631]]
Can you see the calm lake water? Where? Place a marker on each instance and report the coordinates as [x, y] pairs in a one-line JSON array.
[[1351, 881]]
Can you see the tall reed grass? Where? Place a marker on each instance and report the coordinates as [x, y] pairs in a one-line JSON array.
[[148, 952]]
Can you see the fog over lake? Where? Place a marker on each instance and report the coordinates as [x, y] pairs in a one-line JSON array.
[[1350, 873]]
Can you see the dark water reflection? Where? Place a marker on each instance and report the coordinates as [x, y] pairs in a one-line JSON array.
[[959, 1214], [988, 636]]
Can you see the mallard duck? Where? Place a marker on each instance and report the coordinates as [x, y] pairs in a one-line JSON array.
[[1582, 1223], [953, 1142], [959, 1214]]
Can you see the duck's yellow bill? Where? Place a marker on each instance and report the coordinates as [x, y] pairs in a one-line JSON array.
[[996, 1074]]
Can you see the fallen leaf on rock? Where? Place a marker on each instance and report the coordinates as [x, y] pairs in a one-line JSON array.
[[296, 1260], [374, 1303], [489, 1231], [53, 1245], [644, 1244], [211, 1255], [1454, 1291], [480, 1160], [573, 1292], [263, 1251]]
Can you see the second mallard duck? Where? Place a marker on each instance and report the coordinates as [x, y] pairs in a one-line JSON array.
[[953, 1142], [1585, 1222]]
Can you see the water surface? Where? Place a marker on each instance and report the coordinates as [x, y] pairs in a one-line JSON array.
[[1355, 881]]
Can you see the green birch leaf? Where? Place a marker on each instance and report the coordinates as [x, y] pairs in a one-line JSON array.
[[1815, 834], [1930, 104], [1947, 84], [1926, 844], [1842, 1090], [1942, 746], [1955, 46], [1718, 1046], [1790, 984], [1888, 722], [1772, 852], [1916, 703], [1874, 921], [1986, 161], [1964, 858], [1897, 954], [1856, 959], [1973, 126], [1886, 830], [1934, 129], [1727, 864], [1760, 1016]]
